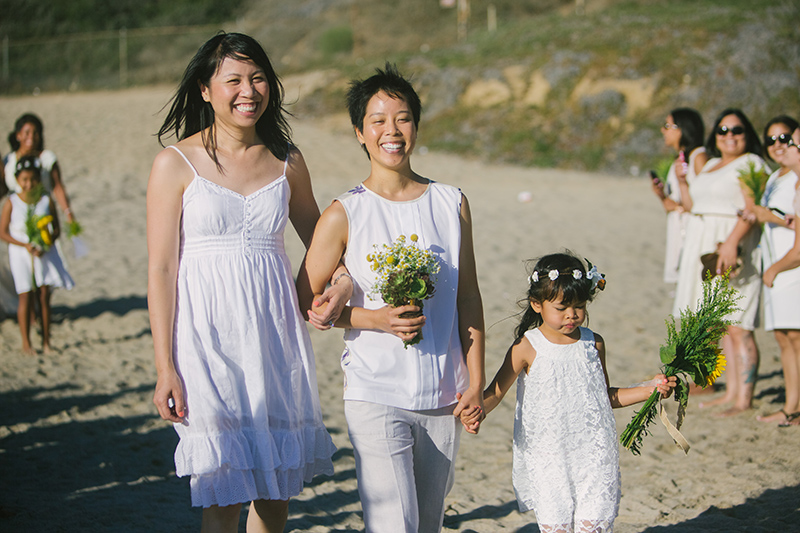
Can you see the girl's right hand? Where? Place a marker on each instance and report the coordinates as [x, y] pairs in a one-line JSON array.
[[168, 397], [33, 250], [388, 319]]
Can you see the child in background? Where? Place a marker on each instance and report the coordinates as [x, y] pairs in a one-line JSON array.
[[35, 270], [566, 452]]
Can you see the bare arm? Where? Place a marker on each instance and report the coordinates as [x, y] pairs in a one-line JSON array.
[[787, 262], [623, 397], [519, 358], [728, 250], [323, 257], [169, 177], [60, 193], [304, 214], [55, 225], [470, 317]]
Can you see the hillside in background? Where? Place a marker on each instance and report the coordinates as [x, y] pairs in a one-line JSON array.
[[533, 82]]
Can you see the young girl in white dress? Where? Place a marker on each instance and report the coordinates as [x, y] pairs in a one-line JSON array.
[[35, 271], [566, 452]]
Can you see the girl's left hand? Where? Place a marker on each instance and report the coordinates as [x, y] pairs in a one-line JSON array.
[[665, 384], [769, 276]]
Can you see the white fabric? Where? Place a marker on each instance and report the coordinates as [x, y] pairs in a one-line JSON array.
[[782, 300], [376, 366], [48, 160], [405, 465], [676, 220], [566, 455], [716, 197], [49, 268], [253, 428]]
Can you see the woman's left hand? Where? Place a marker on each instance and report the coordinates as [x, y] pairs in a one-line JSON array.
[[471, 404], [327, 308], [727, 257]]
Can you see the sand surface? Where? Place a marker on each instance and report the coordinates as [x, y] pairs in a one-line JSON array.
[[81, 445]]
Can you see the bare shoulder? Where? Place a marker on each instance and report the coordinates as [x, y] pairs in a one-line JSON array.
[[296, 164], [170, 170], [523, 353], [599, 342]]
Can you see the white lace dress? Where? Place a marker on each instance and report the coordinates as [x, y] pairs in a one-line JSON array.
[[566, 456]]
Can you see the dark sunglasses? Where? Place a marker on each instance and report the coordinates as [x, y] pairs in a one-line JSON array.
[[790, 142], [736, 130], [783, 138]]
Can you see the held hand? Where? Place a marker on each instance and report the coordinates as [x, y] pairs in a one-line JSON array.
[[664, 384], [727, 257], [327, 308], [470, 410], [33, 250], [751, 216], [789, 220], [388, 320], [168, 397]]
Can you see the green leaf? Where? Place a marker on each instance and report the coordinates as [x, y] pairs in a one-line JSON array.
[[667, 353]]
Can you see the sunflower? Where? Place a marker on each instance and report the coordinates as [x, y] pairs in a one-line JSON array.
[[718, 368]]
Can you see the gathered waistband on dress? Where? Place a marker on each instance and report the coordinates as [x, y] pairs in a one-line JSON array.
[[232, 244]]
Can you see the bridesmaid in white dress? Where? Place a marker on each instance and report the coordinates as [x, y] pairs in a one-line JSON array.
[[716, 198], [235, 368], [786, 267], [684, 133]]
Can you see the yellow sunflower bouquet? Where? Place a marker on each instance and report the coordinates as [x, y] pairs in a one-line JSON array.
[[38, 228], [694, 351], [405, 275]]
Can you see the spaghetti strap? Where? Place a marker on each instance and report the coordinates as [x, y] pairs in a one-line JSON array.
[[187, 160], [286, 161]]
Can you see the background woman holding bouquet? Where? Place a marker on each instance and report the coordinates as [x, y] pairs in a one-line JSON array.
[[715, 199], [784, 272], [29, 224], [683, 132], [781, 309], [28, 139], [236, 371], [400, 400]]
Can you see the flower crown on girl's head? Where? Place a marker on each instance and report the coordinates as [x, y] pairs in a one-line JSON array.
[[598, 280], [27, 163]]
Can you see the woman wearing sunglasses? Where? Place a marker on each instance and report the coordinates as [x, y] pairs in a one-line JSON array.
[[715, 199], [683, 132], [781, 312], [777, 277]]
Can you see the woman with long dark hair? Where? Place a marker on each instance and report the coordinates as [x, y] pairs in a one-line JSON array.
[[235, 366]]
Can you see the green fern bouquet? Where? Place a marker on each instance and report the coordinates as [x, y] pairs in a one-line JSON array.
[[754, 180], [405, 275], [693, 351]]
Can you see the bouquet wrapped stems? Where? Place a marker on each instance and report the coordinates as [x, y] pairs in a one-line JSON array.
[[693, 351]]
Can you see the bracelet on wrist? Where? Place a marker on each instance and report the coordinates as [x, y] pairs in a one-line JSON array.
[[342, 275]]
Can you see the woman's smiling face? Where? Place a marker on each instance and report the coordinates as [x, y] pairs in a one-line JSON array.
[[389, 133]]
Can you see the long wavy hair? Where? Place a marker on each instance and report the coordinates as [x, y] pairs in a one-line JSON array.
[[189, 113], [566, 287]]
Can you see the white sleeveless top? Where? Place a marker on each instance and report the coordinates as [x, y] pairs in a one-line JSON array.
[[377, 368]]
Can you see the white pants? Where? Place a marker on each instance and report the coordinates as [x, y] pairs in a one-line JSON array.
[[405, 462]]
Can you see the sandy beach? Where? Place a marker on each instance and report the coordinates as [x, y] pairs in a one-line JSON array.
[[83, 449]]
